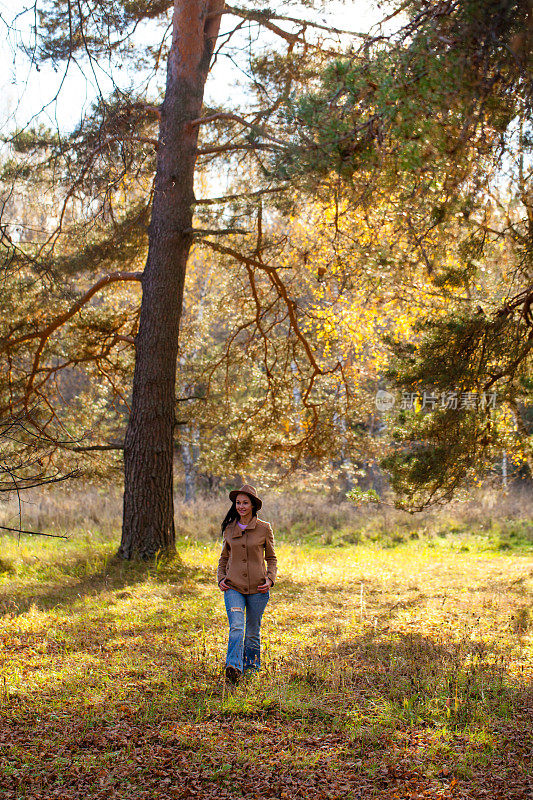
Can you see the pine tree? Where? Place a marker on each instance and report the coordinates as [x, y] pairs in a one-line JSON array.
[[108, 161]]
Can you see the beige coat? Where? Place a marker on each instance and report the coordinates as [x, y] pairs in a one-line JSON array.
[[242, 561]]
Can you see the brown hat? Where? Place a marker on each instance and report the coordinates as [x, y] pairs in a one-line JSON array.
[[250, 491]]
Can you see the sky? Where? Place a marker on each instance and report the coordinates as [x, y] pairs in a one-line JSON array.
[[24, 89]]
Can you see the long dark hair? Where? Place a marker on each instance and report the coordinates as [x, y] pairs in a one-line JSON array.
[[233, 514]]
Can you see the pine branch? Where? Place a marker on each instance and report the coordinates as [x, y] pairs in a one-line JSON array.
[[277, 283], [8, 344]]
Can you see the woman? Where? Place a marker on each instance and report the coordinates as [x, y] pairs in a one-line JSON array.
[[244, 580]]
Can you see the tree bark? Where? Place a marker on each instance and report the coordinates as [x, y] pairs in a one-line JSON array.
[[148, 515]]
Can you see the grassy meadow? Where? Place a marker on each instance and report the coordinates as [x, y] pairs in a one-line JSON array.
[[397, 657]]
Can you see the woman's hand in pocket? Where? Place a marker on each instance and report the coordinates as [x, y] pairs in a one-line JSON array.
[[223, 586], [264, 587]]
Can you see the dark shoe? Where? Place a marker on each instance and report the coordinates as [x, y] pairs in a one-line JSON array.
[[233, 675]]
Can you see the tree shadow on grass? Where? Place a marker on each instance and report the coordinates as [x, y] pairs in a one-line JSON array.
[[415, 677], [115, 574], [288, 589], [115, 726]]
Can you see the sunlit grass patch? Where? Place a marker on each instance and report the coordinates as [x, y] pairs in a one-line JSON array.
[[376, 661]]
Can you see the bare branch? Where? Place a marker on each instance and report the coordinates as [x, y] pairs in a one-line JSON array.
[[266, 17], [33, 533], [214, 232], [228, 148], [92, 447], [208, 201], [240, 120]]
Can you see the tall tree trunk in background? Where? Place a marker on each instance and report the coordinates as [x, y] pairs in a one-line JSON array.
[[190, 434], [190, 453], [148, 519], [297, 396]]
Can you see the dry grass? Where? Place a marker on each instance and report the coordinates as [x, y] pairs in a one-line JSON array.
[[296, 516], [397, 671]]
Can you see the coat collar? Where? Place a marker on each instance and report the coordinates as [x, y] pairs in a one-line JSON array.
[[237, 531]]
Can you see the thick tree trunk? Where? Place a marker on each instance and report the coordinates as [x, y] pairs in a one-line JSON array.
[[148, 518]]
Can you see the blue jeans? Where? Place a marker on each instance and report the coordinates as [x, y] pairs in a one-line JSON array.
[[244, 649]]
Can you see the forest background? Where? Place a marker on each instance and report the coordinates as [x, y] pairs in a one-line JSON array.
[[362, 233], [361, 237]]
